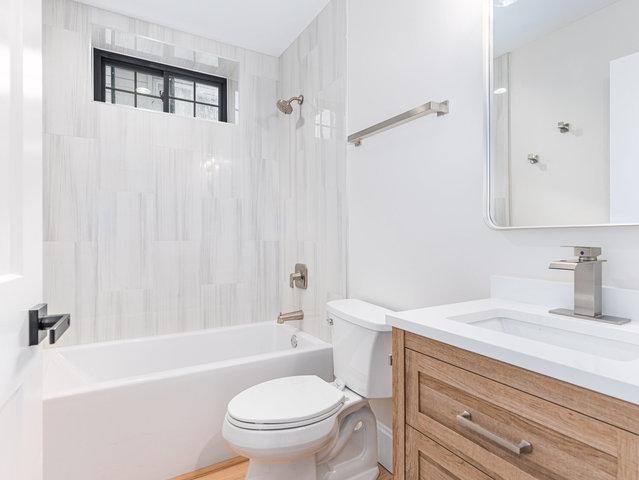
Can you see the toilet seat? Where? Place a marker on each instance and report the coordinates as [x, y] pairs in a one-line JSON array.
[[280, 444], [285, 403], [307, 432], [282, 426]]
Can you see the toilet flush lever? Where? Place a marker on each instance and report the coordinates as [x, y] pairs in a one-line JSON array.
[[299, 278]]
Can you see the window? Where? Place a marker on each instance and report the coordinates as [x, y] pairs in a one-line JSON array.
[[125, 80]]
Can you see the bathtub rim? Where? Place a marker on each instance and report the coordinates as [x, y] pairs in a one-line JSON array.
[[314, 345], [190, 333]]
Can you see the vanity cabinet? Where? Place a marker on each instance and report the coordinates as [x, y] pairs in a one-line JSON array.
[[463, 416]]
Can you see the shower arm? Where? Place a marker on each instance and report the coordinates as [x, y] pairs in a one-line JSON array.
[[299, 99]]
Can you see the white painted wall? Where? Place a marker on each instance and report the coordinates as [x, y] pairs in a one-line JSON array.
[[417, 235], [624, 141], [565, 76], [416, 231]]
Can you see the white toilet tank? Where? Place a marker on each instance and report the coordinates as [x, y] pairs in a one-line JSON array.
[[361, 347]]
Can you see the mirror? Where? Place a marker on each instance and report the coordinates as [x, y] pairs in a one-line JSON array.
[[564, 113]]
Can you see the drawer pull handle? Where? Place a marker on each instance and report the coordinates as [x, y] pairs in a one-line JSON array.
[[465, 421]]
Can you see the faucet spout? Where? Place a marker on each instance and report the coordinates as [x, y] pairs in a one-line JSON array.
[[290, 316], [563, 265]]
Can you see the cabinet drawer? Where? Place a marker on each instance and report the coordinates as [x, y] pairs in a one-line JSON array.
[[490, 425], [427, 460], [606, 409]]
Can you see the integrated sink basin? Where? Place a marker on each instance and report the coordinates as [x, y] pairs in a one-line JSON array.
[[598, 341]]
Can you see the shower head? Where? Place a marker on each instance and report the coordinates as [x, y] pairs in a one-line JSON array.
[[285, 106]]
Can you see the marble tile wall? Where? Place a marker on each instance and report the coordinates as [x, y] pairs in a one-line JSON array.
[[156, 223], [313, 166]]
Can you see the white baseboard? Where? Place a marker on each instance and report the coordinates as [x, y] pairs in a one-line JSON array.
[[385, 446]]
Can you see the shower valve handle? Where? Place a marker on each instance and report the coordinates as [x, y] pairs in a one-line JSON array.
[[299, 278]]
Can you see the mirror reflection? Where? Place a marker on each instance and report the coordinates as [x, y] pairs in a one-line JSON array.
[[564, 113]]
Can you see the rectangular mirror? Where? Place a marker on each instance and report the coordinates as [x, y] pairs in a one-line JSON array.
[[564, 113]]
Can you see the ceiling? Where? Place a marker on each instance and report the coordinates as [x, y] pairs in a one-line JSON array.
[[266, 26], [526, 20]]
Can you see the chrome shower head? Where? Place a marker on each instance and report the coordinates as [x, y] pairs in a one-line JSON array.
[[285, 106]]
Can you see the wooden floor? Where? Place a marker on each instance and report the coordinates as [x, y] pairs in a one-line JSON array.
[[235, 469]]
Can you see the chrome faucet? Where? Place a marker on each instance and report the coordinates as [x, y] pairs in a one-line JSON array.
[[588, 289], [290, 316]]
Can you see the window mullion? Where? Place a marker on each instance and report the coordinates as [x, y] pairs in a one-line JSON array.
[[165, 96], [135, 88], [112, 84]]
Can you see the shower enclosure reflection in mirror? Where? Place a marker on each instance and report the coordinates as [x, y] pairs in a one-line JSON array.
[[563, 118]]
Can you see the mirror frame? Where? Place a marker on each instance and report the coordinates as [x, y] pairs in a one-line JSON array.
[[488, 29]]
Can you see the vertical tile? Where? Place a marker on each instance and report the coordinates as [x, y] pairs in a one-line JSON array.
[[177, 194], [175, 299], [70, 188], [60, 281], [86, 291], [124, 240], [68, 83]]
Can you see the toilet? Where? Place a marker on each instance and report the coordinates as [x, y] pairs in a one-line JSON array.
[[305, 428]]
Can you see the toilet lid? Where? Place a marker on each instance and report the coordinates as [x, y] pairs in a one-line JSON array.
[[286, 400]]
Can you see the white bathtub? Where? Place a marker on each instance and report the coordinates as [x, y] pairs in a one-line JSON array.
[[152, 408]]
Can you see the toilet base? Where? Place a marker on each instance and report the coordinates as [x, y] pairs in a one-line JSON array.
[[302, 469], [353, 455], [350, 455], [372, 474]]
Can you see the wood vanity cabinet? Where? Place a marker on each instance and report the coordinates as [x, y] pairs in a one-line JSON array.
[[462, 416]]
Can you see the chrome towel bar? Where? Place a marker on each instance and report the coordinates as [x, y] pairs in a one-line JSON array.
[[439, 108]]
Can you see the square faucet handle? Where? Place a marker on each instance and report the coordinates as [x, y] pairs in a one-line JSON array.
[[586, 253]]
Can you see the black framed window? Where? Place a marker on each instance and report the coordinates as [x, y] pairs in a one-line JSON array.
[[125, 80]]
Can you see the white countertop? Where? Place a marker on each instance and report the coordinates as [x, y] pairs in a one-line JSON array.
[[616, 378]]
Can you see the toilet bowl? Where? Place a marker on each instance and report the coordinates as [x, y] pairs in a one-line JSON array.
[[299, 428], [304, 428]]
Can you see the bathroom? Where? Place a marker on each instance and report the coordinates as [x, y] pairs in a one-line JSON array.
[[319, 239]]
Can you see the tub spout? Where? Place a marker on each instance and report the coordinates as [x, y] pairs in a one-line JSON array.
[[290, 316]]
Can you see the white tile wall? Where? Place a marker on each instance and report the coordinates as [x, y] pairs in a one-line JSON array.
[[156, 223], [313, 166]]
